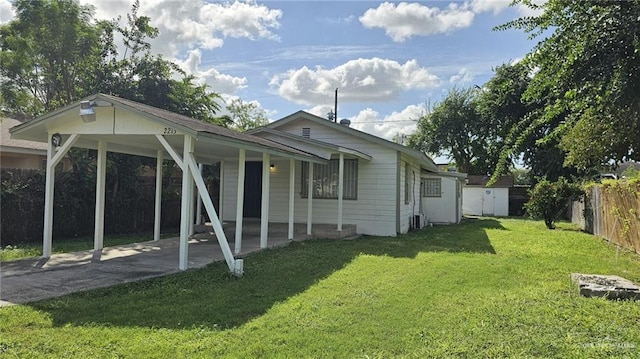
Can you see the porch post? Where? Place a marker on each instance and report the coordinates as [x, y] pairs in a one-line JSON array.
[[52, 161], [340, 189], [48, 202], [101, 173], [310, 198], [190, 207], [199, 203], [292, 170], [221, 193], [240, 200], [187, 179], [158, 203], [264, 215]]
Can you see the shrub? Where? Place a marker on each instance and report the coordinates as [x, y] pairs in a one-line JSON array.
[[548, 200]]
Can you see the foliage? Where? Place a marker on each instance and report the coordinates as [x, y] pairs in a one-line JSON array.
[[587, 80], [548, 200], [46, 53], [521, 176], [377, 297], [631, 173], [245, 116], [455, 128]]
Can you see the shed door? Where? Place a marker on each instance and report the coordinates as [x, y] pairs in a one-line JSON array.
[[487, 202], [252, 190]]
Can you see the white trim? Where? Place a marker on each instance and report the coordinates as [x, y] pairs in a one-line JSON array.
[[239, 199], [264, 214]]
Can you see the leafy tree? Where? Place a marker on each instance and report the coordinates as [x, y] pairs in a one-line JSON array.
[[245, 116], [45, 55], [455, 128], [587, 80], [548, 200]]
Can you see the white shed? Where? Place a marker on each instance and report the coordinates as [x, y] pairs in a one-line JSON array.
[[482, 200], [442, 197]]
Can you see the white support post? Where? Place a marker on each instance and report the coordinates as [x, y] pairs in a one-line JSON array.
[[340, 189], [264, 215], [158, 202], [101, 174], [310, 198], [184, 208], [199, 204], [192, 211], [52, 160], [240, 200], [221, 193], [292, 179], [235, 265]]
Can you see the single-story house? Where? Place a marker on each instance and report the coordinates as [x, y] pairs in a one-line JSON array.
[[479, 199], [20, 154], [302, 168]]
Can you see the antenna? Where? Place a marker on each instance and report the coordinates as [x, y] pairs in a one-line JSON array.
[[335, 109]]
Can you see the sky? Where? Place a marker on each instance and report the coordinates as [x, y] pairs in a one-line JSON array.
[[387, 59]]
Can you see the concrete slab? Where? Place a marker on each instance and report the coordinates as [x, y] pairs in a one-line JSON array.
[[30, 280]]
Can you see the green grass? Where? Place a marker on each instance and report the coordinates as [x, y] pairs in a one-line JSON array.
[[27, 250], [486, 288]]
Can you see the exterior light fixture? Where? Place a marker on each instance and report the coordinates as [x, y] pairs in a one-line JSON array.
[[87, 112]]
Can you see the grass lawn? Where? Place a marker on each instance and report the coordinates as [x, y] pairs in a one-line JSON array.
[[486, 288], [11, 253]]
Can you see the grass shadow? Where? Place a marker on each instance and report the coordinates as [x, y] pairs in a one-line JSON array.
[[211, 298]]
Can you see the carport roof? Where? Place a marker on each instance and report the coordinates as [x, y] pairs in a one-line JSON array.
[[36, 130]]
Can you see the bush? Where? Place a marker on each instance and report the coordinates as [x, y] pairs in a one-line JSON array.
[[548, 200]]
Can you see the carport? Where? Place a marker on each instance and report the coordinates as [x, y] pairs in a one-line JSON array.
[[111, 124]]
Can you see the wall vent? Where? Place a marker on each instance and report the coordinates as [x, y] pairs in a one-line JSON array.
[[306, 132]]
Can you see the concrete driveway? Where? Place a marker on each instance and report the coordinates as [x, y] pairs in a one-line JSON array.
[[30, 280]]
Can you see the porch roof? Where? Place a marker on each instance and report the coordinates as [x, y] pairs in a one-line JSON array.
[[130, 127]]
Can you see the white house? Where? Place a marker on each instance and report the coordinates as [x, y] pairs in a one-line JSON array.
[[382, 180], [301, 168], [482, 200]]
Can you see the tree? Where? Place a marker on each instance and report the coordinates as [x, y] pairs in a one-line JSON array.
[[548, 200], [45, 55], [587, 80], [245, 116], [455, 128]]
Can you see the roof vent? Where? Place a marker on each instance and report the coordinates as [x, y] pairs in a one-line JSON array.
[[345, 122], [306, 132]]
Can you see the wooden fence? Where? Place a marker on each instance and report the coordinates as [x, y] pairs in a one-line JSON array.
[[611, 211]]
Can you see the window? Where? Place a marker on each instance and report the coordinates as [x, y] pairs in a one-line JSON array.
[[407, 185], [432, 187], [325, 180]]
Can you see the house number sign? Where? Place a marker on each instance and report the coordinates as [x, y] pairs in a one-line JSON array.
[[170, 131]]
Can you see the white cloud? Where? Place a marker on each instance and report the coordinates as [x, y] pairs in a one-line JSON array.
[[464, 76], [524, 10], [404, 20], [6, 11], [373, 80], [219, 83], [403, 122], [192, 24], [494, 6]]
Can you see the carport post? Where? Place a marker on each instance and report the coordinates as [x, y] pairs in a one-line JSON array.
[[158, 203], [240, 200], [264, 215], [52, 161], [199, 204], [101, 173], [185, 218], [292, 182]]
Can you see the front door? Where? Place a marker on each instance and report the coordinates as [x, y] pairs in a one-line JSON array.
[[252, 190]]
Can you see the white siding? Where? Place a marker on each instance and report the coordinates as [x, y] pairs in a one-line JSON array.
[[412, 208], [472, 201], [443, 209], [374, 212]]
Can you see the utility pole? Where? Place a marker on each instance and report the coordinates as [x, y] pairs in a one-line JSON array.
[[335, 107]]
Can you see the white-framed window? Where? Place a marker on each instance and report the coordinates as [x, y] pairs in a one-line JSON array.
[[432, 187], [325, 180]]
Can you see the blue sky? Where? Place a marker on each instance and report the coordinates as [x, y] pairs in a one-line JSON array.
[[386, 58]]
